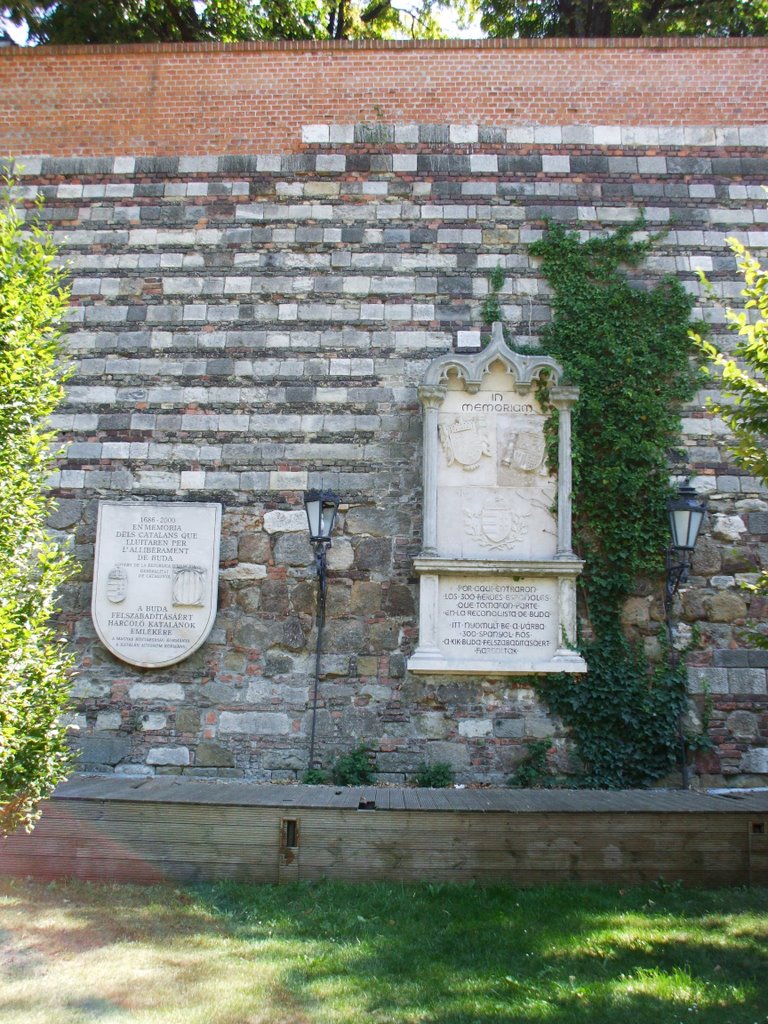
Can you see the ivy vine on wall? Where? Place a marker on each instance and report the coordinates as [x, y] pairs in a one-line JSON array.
[[626, 346]]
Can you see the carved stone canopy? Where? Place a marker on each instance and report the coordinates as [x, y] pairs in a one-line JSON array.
[[471, 369]]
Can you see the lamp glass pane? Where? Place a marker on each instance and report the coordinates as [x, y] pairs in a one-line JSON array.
[[694, 525], [328, 517], [679, 519], [313, 507]]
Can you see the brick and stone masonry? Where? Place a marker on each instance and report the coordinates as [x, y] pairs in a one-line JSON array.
[[267, 244]]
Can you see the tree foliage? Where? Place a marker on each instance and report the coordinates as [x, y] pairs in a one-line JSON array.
[[744, 407], [34, 684], [535, 19], [149, 21], [142, 21]]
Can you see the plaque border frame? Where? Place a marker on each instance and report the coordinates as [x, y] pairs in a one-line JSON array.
[[214, 603]]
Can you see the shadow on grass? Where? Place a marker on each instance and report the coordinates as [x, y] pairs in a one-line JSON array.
[[462, 955], [73, 952]]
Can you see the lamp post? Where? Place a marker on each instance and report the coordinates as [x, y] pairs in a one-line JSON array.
[[321, 508], [686, 514]]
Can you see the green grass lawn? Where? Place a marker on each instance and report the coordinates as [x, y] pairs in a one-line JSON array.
[[419, 954]]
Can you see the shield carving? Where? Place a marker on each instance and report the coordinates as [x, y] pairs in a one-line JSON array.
[[525, 451], [117, 585], [496, 523], [464, 441], [496, 526], [155, 579], [188, 584]]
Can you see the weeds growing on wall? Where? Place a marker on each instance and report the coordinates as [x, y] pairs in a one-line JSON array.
[[626, 347]]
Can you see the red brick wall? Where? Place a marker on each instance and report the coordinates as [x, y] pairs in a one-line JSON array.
[[253, 98]]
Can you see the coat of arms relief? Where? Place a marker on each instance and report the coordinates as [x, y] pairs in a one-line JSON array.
[[496, 526], [465, 441], [526, 451]]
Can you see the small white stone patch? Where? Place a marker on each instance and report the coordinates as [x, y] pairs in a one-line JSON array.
[[342, 133], [475, 727], [168, 756], [467, 340], [556, 164], [108, 720], [463, 133], [288, 480], [756, 761], [283, 521], [728, 528], [153, 722], [340, 554], [404, 163], [156, 691], [484, 163], [245, 571], [315, 133]]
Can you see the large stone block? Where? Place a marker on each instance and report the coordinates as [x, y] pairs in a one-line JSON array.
[[254, 547], [365, 599], [738, 559], [714, 680], [725, 607], [747, 680], [743, 725], [454, 754], [475, 727], [213, 755], [292, 635], [707, 558], [375, 522], [254, 723], [344, 637], [398, 600], [509, 728], [103, 750], [755, 761], [187, 720]]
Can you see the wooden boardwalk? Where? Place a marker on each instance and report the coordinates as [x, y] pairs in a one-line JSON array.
[[180, 829]]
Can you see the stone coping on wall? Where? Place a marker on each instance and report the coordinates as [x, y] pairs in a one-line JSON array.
[[342, 45]]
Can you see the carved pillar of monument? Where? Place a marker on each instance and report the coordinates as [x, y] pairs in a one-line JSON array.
[[431, 398], [566, 599], [563, 400]]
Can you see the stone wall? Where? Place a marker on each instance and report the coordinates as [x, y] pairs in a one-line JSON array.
[[247, 325]]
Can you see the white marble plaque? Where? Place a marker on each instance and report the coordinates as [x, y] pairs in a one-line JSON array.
[[484, 619], [155, 579]]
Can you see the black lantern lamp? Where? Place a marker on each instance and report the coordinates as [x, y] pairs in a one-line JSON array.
[[321, 508], [686, 514]]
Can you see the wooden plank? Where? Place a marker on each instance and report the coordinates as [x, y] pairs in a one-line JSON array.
[[182, 789], [427, 837]]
